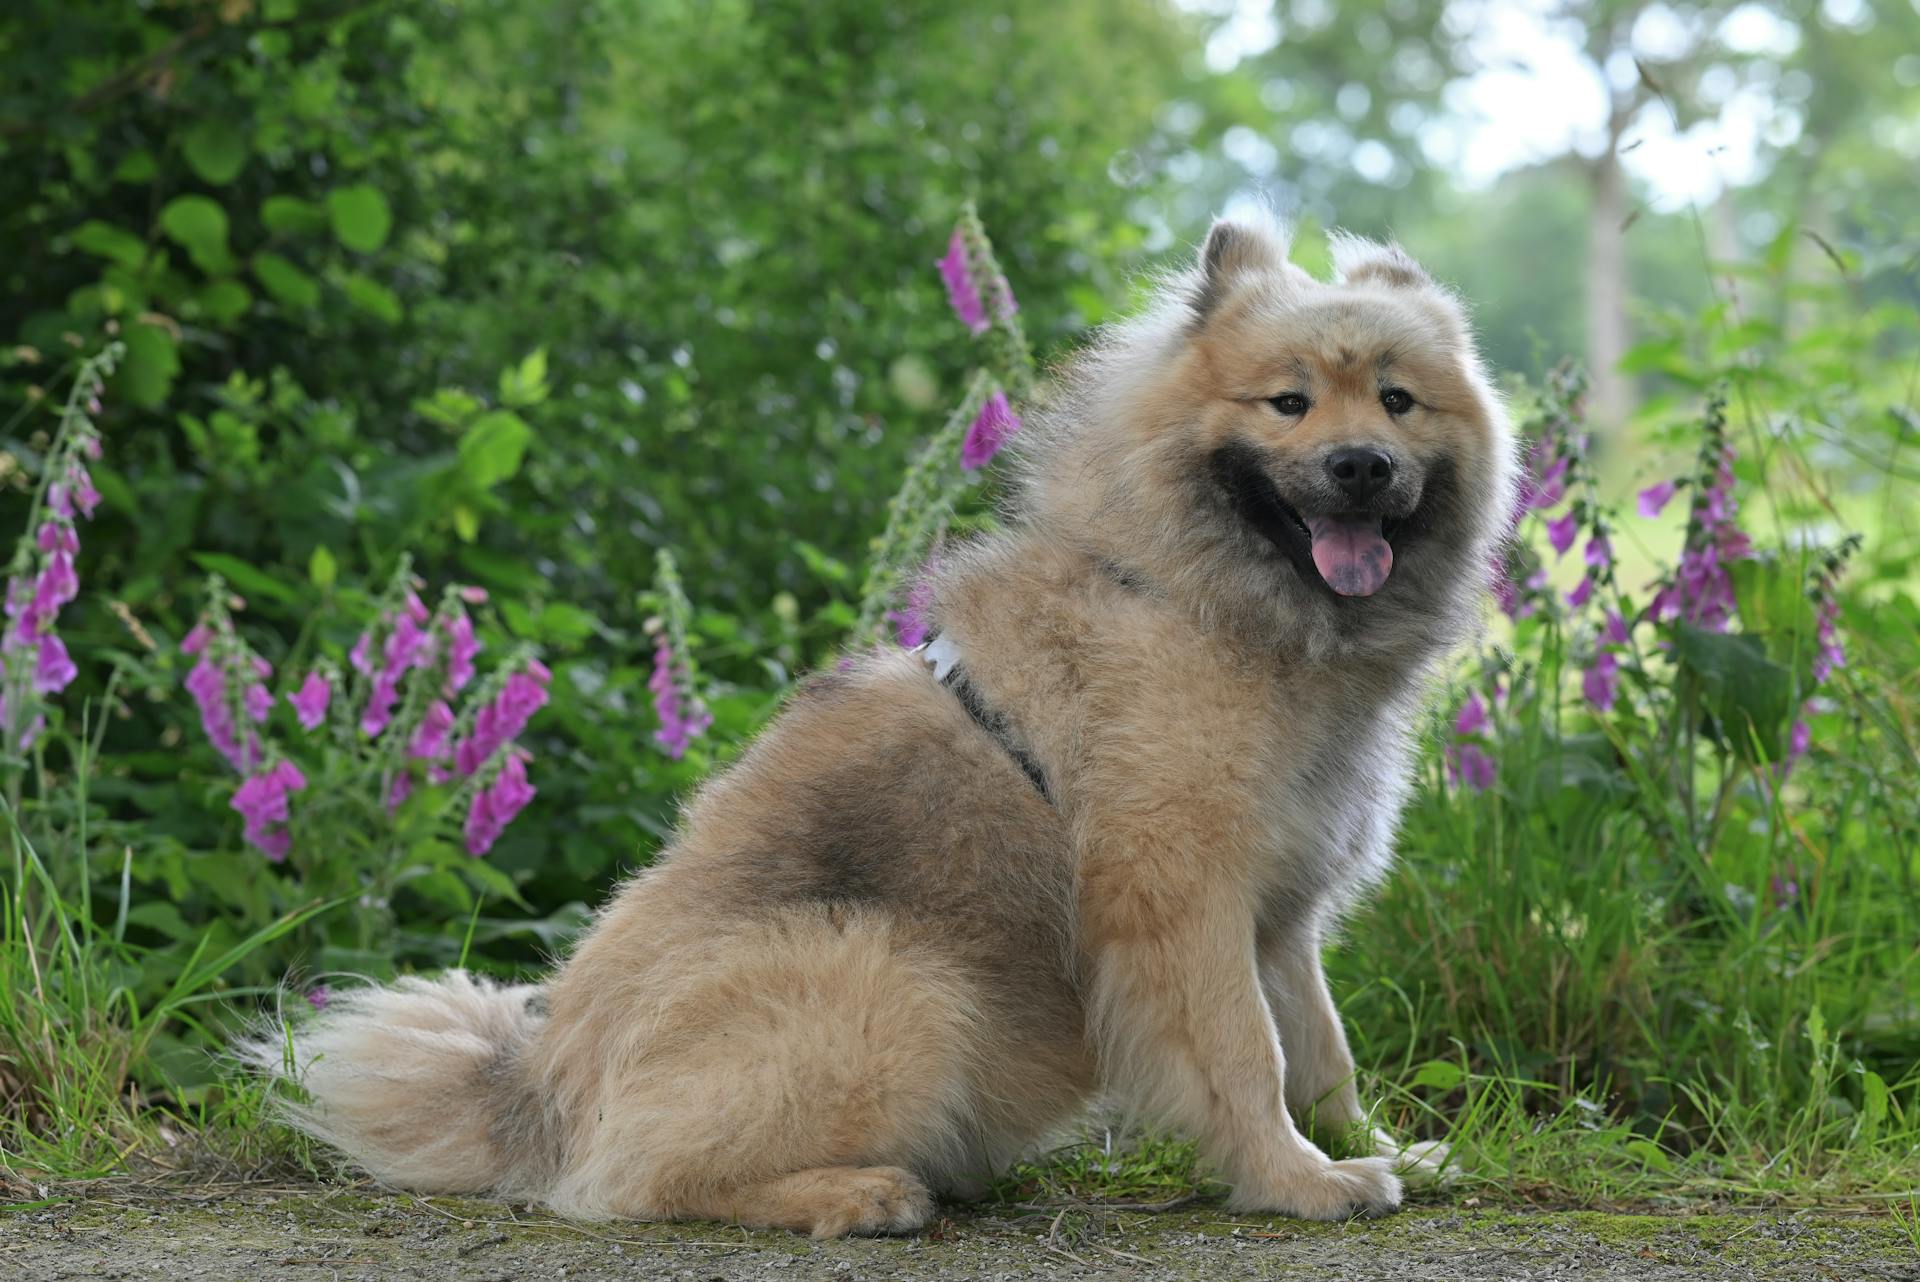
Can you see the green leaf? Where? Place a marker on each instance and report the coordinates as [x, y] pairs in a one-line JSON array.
[[216, 151], [151, 364], [1750, 694], [224, 300], [449, 407], [525, 384], [1774, 604], [199, 226], [136, 167], [1649, 1153], [284, 281], [246, 579], [159, 915], [1440, 1074], [370, 295], [1873, 1101], [1663, 356], [104, 240], [493, 881], [289, 215], [823, 567], [565, 624], [493, 447], [837, 616], [322, 569], [360, 217]]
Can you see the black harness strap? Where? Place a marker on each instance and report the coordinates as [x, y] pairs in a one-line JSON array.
[[996, 726]]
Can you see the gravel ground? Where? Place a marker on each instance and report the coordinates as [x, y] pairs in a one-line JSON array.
[[351, 1235]]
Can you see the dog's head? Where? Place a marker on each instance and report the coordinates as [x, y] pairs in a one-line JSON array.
[[1329, 453]]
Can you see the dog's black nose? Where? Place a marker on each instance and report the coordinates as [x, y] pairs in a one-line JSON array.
[[1361, 472]]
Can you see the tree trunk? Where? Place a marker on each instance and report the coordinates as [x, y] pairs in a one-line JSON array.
[[1610, 397]]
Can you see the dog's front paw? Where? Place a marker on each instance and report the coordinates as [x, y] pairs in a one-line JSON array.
[[1328, 1190], [1421, 1162]]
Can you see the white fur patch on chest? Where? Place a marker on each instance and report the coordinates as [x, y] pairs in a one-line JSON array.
[[1331, 813], [940, 654]]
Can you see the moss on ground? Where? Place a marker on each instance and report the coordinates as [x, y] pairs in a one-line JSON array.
[[350, 1233]]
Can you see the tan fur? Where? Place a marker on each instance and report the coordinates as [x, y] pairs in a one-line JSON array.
[[877, 963]]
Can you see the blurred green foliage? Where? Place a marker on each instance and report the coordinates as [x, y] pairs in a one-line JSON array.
[[527, 291]]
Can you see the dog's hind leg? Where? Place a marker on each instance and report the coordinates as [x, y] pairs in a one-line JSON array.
[[806, 1071], [828, 1201]]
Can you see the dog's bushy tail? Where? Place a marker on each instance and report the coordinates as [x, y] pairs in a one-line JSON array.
[[420, 1083]]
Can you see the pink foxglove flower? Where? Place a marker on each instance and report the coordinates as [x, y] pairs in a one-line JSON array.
[[1601, 681], [207, 683], [495, 806], [462, 649], [227, 685], [522, 694], [1701, 589], [910, 622], [311, 700], [1466, 759], [262, 803], [1599, 554], [431, 740], [1829, 654], [34, 661], [992, 428], [1832, 652], [683, 717], [1472, 717], [404, 644], [1470, 766], [57, 536], [57, 585], [54, 670], [85, 497], [255, 698], [1547, 486], [1654, 498], [961, 290], [1561, 532]]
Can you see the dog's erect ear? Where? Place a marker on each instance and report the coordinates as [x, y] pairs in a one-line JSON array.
[[1357, 259], [1235, 251]]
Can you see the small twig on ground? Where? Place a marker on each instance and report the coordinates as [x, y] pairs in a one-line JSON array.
[[1048, 1208]]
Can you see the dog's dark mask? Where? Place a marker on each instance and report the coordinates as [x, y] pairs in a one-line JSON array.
[[1239, 471]]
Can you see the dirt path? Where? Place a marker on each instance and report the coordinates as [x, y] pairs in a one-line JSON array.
[[334, 1235]]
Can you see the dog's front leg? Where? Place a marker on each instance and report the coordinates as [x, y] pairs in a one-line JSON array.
[[1321, 1091], [1320, 1086], [1184, 1031]]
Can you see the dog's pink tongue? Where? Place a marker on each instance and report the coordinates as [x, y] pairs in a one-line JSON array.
[[1350, 553]]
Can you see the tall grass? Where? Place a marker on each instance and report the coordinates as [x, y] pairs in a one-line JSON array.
[[78, 1090]]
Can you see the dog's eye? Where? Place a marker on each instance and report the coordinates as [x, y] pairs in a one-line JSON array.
[[1396, 401], [1292, 404]]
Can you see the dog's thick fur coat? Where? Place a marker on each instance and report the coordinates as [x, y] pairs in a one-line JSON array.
[[877, 962]]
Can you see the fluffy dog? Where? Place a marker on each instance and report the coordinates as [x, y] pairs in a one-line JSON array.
[[1092, 848]]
